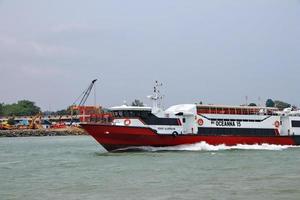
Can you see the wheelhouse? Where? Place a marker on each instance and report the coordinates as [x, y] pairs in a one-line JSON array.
[[130, 112], [144, 114]]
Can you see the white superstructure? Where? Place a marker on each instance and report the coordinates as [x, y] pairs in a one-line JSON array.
[[208, 119]]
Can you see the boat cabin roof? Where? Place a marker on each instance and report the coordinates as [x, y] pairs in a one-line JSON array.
[[130, 108], [183, 109]]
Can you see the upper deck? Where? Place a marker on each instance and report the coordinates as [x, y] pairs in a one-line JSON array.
[[235, 110]]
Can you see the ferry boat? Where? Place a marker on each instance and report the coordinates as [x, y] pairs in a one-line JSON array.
[[133, 127]]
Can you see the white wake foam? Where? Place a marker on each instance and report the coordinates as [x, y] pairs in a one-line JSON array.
[[203, 146]]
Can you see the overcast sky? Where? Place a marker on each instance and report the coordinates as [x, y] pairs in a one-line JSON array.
[[215, 51]]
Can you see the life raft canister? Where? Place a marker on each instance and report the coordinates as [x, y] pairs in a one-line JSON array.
[[277, 124], [127, 122], [200, 122]]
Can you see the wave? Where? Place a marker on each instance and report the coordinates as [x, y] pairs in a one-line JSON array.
[[10, 163], [203, 146]]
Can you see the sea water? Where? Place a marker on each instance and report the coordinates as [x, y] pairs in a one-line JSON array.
[[76, 167]]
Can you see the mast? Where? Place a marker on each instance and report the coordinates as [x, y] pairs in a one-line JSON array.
[[156, 98]]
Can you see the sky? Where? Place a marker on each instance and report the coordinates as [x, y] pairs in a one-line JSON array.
[[216, 51]]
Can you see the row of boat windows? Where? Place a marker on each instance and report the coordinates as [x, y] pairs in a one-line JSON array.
[[236, 131], [233, 111], [146, 114], [131, 113], [237, 120]]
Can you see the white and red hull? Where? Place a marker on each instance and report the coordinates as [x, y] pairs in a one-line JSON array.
[[113, 137]]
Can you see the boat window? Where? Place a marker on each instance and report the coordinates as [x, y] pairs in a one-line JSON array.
[[131, 114], [145, 114], [183, 120], [120, 114], [136, 113], [296, 124], [116, 114]]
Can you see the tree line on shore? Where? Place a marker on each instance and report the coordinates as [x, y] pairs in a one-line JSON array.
[[29, 108], [278, 104], [21, 108]]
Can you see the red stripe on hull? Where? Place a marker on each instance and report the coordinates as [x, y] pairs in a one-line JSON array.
[[115, 137]]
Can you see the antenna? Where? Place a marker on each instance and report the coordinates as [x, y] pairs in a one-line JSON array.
[[156, 97]]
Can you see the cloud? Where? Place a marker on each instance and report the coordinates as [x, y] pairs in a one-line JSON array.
[[50, 50], [38, 71], [75, 27], [10, 46], [5, 40]]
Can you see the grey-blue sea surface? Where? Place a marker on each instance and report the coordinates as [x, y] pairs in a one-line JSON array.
[[76, 167]]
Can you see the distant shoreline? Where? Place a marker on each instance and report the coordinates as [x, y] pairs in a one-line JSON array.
[[42, 132]]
